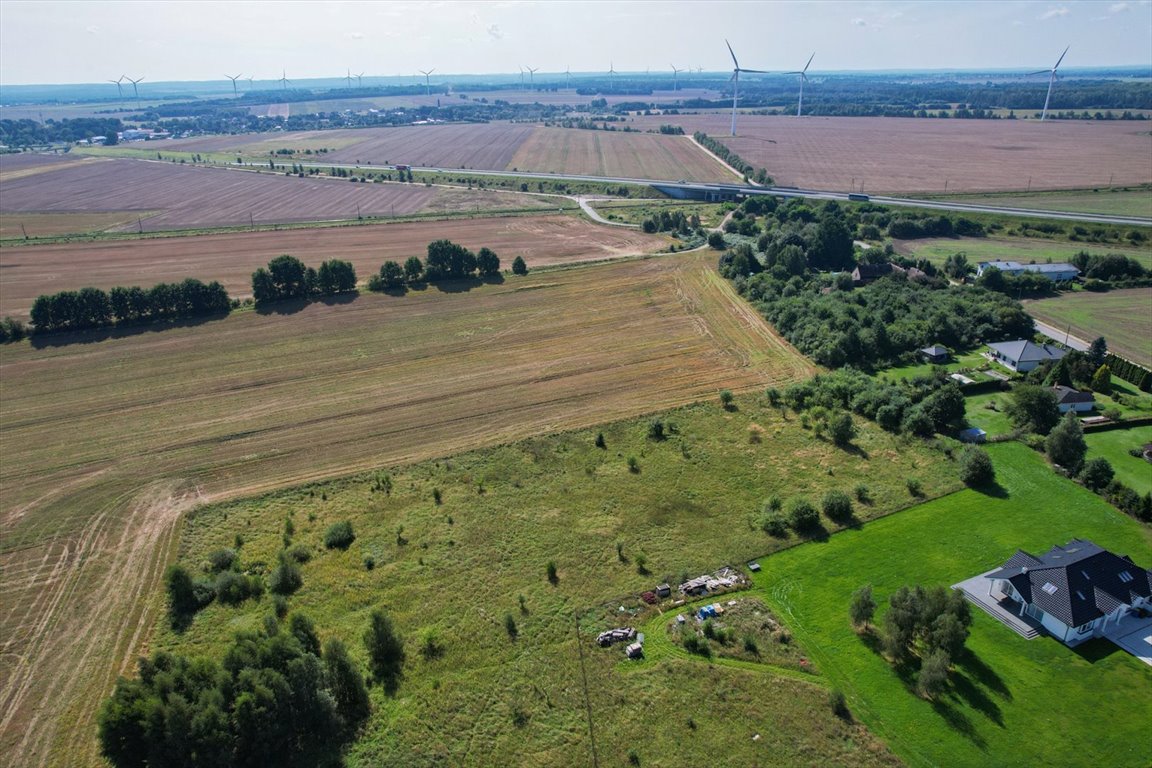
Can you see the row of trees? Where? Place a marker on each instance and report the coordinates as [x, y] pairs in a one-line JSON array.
[[96, 308], [28, 133], [1131, 372], [445, 261], [286, 277], [759, 175]]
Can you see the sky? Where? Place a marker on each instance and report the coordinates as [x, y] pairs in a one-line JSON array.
[[67, 41]]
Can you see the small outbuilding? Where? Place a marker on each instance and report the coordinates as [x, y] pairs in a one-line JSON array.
[[936, 354], [663, 590], [972, 435], [635, 651], [1068, 399]]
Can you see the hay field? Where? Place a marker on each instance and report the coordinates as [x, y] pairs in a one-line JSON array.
[[1122, 317], [614, 153], [232, 257], [117, 437], [906, 155]]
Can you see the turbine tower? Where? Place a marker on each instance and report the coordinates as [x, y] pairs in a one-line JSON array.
[[234, 78], [736, 70], [521, 78], [567, 76], [427, 82], [1051, 81], [283, 80], [135, 90], [803, 79], [676, 78], [611, 72], [532, 76], [348, 79], [359, 80], [119, 88]]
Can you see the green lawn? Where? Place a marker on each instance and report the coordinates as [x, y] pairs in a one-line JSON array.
[[1119, 202], [970, 363], [1123, 317], [1024, 250], [1013, 702], [993, 420], [1114, 444]]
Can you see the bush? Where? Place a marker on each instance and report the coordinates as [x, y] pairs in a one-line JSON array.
[[656, 430], [773, 523], [976, 467], [802, 516], [301, 553], [1097, 474], [914, 487], [553, 576], [385, 649], [837, 505], [863, 606], [633, 465], [862, 493], [510, 626], [1065, 445], [222, 559], [841, 429], [339, 535], [234, 588], [839, 704], [726, 399], [933, 674], [286, 579], [519, 267]]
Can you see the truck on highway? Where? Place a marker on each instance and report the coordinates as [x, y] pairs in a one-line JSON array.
[[856, 197]]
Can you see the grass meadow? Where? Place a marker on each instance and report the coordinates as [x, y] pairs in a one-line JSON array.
[[1024, 250], [1114, 202], [1114, 445], [1012, 701], [1123, 317], [455, 569]]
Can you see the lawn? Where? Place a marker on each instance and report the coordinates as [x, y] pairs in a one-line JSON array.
[[1123, 317], [1114, 445], [458, 567], [970, 363], [1115, 202], [989, 412], [1024, 250], [1013, 702]]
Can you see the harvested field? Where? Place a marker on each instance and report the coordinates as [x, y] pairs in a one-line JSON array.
[[1123, 318], [615, 153], [232, 257], [20, 225], [898, 155], [118, 436], [17, 166], [488, 146]]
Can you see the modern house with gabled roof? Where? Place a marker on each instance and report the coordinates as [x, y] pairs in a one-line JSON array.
[[1077, 591], [1023, 355], [1068, 399]]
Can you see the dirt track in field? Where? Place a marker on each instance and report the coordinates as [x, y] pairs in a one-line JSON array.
[[121, 435], [232, 258], [919, 155]]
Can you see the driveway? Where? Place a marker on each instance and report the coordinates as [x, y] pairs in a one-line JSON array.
[[1135, 636]]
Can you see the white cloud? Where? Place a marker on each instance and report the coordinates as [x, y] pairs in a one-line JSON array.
[[1119, 7], [1053, 13], [859, 22], [92, 30], [494, 32]]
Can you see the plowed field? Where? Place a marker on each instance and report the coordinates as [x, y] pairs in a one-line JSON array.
[[920, 155], [109, 441], [232, 257], [615, 153]]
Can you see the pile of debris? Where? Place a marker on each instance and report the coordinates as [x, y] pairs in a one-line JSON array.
[[725, 578], [610, 636]]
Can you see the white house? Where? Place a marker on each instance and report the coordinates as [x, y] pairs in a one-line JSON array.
[[1068, 399], [1076, 591], [1023, 355], [1060, 273]]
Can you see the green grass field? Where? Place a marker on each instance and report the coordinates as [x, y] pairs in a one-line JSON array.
[[458, 567], [1114, 445], [970, 363], [1024, 250], [1122, 317], [1117, 202], [1013, 702]]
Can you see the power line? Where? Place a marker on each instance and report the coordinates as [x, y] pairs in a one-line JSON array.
[[587, 699]]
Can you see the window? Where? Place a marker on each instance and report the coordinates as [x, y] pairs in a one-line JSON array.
[[1080, 595], [1126, 577], [1086, 628], [1049, 587]]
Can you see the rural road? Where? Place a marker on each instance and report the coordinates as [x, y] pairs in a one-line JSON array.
[[585, 205], [815, 194], [1064, 337]]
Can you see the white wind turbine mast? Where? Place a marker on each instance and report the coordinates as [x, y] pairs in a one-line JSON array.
[[427, 82], [1051, 80], [359, 80], [532, 76], [803, 79], [736, 70], [567, 76], [119, 88], [135, 90], [348, 79], [235, 91], [611, 72], [283, 80], [676, 77]]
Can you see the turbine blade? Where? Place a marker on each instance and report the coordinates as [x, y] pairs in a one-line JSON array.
[[1061, 58], [757, 71], [1038, 72], [732, 54], [797, 72]]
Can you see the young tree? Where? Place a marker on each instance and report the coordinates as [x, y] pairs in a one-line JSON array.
[[302, 628], [802, 516], [1096, 474], [182, 600], [385, 650], [1102, 380], [716, 240], [346, 684], [286, 578], [842, 429], [976, 467], [487, 262], [862, 607], [933, 674], [413, 269], [391, 275], [1098, 351], [519, 267], [1033, 409], [1065, 444], [335, 276], [837, 506]]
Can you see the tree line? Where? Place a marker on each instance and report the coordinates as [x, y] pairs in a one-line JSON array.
[[286, 277], [759, 175], [27, 133], [444, 260], [96, 308]]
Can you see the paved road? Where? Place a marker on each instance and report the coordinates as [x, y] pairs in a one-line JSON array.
[[585, 205], [815, 194], [1061, 335]]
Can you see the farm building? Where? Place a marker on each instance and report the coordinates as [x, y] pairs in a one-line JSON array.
[[935, 354], [1059, 273], [1068, 399], [1076, 591], [663, 590], [1023, 355]]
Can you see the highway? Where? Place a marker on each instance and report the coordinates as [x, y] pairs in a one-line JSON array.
[[743, 189]]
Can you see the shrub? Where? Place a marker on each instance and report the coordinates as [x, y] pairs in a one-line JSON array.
[[633, 465], [1065, 445], [693, 643], [233, 588], [656, 430], [510, 626], [553, 577], [863, 606], [837, 505], [600, 440], [339, 535], [841, 429], [802, 516], [369, 562], [726, 398], [385, 649], [839, 704], [222, 559], [933, 674], [301, 553], [286, 579], [862, 493], [773, 523], [641, 563], [976, 467], [519, 267], [1097, 474], [716, 240], [914, 487], [430, 646]]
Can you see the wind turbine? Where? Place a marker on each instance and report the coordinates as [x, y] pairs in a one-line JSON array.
[[611, 73], [249, 82], [234, 78], [119, 89], [532, 76], [135, 90], [283, 80], [736, 70], [567, 76], [675, 77], [1051, 80], [427, 82], [348, 79], [803, 79], [359, 80], [521, 78]]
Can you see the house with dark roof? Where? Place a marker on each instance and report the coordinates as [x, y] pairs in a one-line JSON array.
[[1022, 355], [868, 273], [1068, 399], [935, 354], [1076, 591]]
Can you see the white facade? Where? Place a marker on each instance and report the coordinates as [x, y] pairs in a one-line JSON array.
[[1070, 636]]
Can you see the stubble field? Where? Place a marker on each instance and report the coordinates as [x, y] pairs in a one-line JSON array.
[[117, 437], [1123, 318], [907, 155], [232, 257]]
